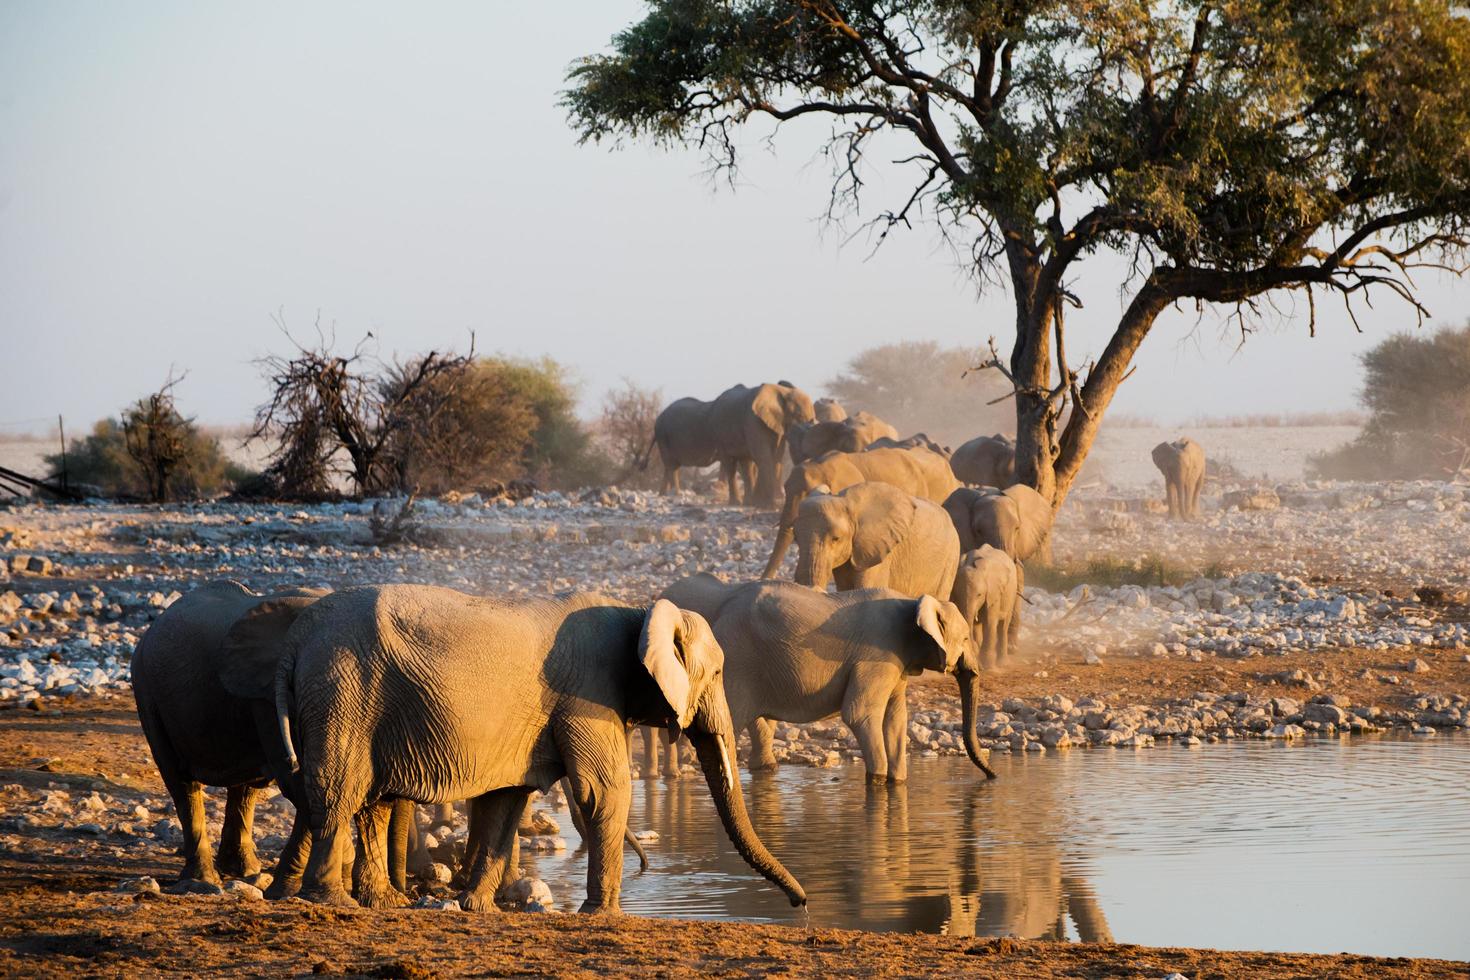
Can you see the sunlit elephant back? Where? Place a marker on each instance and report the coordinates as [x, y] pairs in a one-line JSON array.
[[743, 428], [915, 471], [985, 461]]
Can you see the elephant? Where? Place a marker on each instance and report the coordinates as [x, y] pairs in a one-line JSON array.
[[1183, 464], [209, 716], [916, 441], [1016, 520], [917, 471], [424, 693], [829, 410], [985, 590], [852, 434], [985, 461], [876, 536], [794, 654], [743, 428]]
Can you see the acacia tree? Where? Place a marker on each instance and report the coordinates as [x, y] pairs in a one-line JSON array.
[[1227, 150]]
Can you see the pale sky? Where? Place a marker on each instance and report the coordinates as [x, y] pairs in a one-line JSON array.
[[173, 174]]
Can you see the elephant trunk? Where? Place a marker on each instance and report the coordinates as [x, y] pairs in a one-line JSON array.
[[785, 534], [713, 735], [969, 682], [813, 568]]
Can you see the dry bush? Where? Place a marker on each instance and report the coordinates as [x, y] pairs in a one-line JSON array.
[[918, 386], [625, 433], [322, 402]]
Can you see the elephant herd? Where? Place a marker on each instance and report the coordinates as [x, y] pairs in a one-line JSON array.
[[363, 702]]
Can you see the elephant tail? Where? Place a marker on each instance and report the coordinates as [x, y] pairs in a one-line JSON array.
[[647, 457], [286, 706]]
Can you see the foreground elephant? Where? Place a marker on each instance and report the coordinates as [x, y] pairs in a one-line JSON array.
[[829, 410], [1016, 520], [876, 536], [742, 428], [797, 655], [986, 590], [424, 693], [985, 461], [852, 434], [915, 471], [1183, 464], [203, 679]]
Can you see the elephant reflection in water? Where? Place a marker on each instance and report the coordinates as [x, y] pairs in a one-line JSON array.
[[1022, 888], [972, 862]]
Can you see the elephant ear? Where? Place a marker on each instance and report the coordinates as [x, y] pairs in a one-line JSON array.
[[960, 508], [768, 408], [943, 652], [253, 646], [679, 651], [882, 516]]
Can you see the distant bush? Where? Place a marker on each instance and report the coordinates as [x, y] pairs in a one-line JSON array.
[[1417, 392], [183, 463], [918, 386], [493, 419], [1111, 572], [625, 431]]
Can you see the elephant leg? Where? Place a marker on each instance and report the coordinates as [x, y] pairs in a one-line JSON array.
[[670, 747], [198, 855], [762, 754], [865, 720], [443, 816], [331, 849], [896, 734], [727, 473], [286, 879], [495, 816], [651, 756], [370, 871], [1013, 628], [767, 462], [604, 809], [403, 837], [237, 838]]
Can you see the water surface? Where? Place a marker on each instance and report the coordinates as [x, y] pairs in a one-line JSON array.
[[1326, 846]]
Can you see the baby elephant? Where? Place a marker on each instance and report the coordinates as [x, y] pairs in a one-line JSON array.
[[793, 654], [876, 536], [985, 592]]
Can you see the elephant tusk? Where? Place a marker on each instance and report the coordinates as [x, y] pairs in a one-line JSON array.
[[725, 764]]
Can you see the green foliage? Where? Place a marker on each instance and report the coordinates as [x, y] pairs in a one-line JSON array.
[[492, 419], [102, 461], [1222, 135], [918, 386], [1417, 390]]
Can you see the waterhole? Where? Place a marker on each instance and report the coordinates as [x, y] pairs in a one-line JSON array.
[[1356, 846]]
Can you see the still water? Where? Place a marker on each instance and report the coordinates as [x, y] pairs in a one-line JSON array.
[[1328, 846]]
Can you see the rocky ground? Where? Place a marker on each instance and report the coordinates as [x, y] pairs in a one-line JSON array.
[[1287, 611]]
